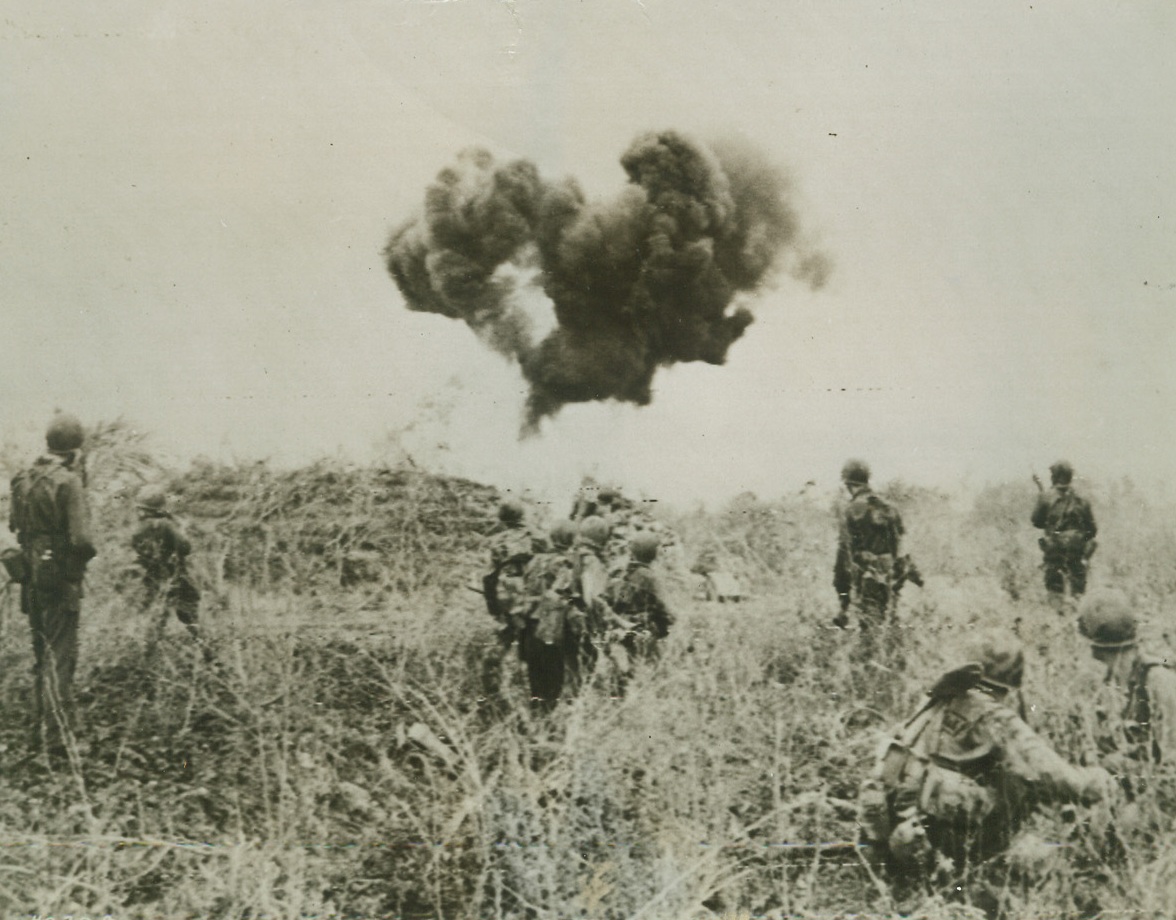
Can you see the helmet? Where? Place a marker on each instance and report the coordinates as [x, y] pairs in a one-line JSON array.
[[856, 471], [151, 498], [644, 546], [563, 534], [594, 531], [1001, 660], [510, 512], [608, 494], [1061, 472], [65, 432], [1107, 621]]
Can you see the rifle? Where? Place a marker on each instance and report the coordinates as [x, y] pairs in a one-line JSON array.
[[1037, 482]]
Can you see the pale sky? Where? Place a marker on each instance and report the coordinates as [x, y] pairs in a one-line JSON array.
[[194, 198]]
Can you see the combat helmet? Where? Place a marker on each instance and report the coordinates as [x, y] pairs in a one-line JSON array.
[[608, 495], [644, 545], [856, 472], [594, 531], [1001, 660], [510, 512], [65, 433], [151, 499], [1107, 621], [563, 534], [1061, 473]]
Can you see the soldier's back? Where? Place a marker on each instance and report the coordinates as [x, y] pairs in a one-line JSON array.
[[873, 525], [160, 538], [41, 493]]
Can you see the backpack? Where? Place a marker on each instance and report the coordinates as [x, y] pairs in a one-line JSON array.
[[1065, 525], [910, 789]]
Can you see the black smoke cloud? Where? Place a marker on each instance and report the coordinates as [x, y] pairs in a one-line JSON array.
[[657, 276]]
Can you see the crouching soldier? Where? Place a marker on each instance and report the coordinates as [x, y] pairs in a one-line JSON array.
[[161, 551], [1146, 729], [953, 785]]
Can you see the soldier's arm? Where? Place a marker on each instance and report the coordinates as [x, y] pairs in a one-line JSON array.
[[77, 514], [1049, 777], [13, 500], [659, 613], [1040, 511], [842, 581], [1091, 526]]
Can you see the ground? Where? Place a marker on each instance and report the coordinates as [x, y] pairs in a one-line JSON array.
[[359, 747]]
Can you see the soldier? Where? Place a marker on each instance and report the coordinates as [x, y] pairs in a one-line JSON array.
[[511, 547], [955, 783], [1148, 728], [637, 600], [550, 641], [621, 518], [1068, 542], [51, 518], [162, 550], [867, 550], [591, 571], [591, 611], [584, 504]]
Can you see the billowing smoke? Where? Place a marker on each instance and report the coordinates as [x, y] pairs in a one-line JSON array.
[[657, 276]]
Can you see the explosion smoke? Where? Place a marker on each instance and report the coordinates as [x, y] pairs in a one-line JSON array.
[[637, 283]]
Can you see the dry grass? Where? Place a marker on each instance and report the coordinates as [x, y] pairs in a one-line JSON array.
[[359, 750]]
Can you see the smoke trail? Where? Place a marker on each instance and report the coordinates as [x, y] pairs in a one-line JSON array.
[[654, 277]]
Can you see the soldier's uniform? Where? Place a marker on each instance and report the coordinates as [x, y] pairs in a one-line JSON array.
[[636, 615], [869, 536], [1149, 717], [1070, 529], [637, 600], [1147, 726], [512, 544], [50, 515], [955, 783], [590, 612], [162, 550], [550, 641]]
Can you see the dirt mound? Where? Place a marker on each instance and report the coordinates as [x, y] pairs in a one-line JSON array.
[[335, 525]]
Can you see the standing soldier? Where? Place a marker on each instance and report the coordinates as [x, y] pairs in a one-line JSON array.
[[641, 614], [867, 550], [591, 611], [550, 642], [1148, 728], [954, 784], [162, 551], [1068, 542], [511, 547], [51, 518]]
